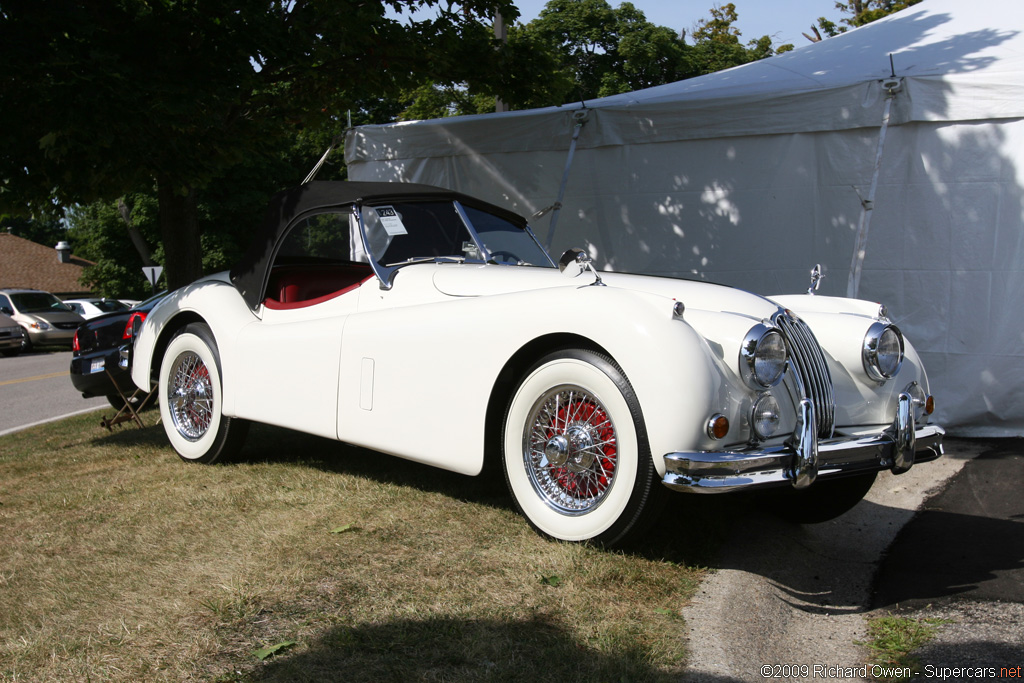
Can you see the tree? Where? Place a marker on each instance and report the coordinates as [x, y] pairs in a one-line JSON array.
[[717, 43], [531, 71], [861, 12], [605, 51], [103, 99], [227, 212]]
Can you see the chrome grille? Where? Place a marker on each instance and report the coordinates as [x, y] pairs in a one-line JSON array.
[[812, 368]]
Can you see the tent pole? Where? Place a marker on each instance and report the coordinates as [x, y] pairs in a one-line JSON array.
[[860, 246], [581, 116]]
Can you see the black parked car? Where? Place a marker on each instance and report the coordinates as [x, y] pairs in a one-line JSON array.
[[96, 348]]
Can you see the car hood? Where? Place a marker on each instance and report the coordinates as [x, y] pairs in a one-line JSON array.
[[52, 317], [483, 280]]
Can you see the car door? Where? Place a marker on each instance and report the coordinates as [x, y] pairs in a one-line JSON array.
[[293, 349]]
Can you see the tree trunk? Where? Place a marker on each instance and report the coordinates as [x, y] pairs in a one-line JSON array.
[[179, 230], [134, 234]]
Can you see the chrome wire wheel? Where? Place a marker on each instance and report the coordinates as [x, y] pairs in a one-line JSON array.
[[190, 399], [570, 449], [191, 393], [575, 452]]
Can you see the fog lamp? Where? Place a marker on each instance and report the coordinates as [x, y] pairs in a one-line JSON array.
[[765, 416]]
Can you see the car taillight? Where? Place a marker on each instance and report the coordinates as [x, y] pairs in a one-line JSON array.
[[75, 348], [130, 327]]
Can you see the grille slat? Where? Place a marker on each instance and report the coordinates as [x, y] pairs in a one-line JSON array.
[[812, 367]]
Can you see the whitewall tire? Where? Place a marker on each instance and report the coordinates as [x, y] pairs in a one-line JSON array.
[[190, 399], [575, 452]]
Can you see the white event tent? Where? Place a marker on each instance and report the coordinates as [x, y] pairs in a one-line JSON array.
[[893, 155]]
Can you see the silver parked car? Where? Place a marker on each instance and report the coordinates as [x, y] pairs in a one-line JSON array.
[[45, 318], [12, 337]]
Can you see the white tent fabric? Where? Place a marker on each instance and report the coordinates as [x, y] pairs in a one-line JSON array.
[[752, 175]]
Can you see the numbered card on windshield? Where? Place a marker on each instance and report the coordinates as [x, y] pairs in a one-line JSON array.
[[391, 220]]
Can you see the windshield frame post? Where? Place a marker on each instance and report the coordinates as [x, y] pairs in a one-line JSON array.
[[383, 273], [485, 254]]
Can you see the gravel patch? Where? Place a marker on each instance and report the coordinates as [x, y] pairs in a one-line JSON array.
[[787, 600], [977, 641]]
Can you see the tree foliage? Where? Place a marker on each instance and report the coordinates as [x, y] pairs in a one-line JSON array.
[[588, 49], [100, 99], [861, 12], [606, 51], [185, 115]]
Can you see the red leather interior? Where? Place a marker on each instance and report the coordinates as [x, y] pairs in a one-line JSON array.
[[300, 286]]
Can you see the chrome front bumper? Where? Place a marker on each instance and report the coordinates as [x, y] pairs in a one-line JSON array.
[[803, 458]]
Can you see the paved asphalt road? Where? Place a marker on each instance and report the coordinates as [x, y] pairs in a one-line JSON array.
[[967, 542], [35, 387]]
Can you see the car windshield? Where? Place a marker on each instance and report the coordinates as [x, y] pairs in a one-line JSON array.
[[38, 302], [396, 234], [109, 305], [150, 302], [407, 232]]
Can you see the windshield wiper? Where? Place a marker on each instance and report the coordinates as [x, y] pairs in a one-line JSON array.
[[427, 259]]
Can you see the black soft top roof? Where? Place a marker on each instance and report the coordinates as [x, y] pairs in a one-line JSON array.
[[251, 272]]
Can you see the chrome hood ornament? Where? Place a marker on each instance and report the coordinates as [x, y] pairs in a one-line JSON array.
[[816, 277]]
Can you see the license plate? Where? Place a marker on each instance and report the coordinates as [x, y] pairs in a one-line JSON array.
[[97, 365]]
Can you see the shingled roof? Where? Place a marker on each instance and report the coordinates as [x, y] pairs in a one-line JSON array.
[[23, 263]]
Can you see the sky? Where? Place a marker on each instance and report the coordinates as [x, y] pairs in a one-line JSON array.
[[783, 20]]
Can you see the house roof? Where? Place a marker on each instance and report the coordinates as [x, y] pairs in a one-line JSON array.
[[24, 263]]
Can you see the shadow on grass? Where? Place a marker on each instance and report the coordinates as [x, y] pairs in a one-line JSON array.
[[688, 531], [450, 649], [128, 435]]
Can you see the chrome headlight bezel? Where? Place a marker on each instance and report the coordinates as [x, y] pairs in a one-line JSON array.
[[761, 366], [880, 362]]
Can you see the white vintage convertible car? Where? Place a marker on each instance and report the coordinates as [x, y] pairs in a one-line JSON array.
[[426, 324]]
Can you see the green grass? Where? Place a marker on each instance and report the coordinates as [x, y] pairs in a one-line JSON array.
[[893, 640], [309, 560]]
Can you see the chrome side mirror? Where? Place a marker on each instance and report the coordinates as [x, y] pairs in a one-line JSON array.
[[575, 261]]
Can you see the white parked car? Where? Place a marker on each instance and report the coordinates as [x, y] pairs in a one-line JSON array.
[[426, 324], [91, 308]]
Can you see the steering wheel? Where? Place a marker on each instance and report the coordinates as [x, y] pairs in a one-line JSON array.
[[507, 254]]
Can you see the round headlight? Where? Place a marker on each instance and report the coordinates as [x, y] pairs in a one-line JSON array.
[[763, 357], [765, 416], [883, 351]]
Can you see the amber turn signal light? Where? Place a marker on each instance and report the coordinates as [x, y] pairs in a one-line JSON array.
[[718, 426]]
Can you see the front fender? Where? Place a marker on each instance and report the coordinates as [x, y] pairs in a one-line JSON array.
[[213, 301], [670, 366]]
